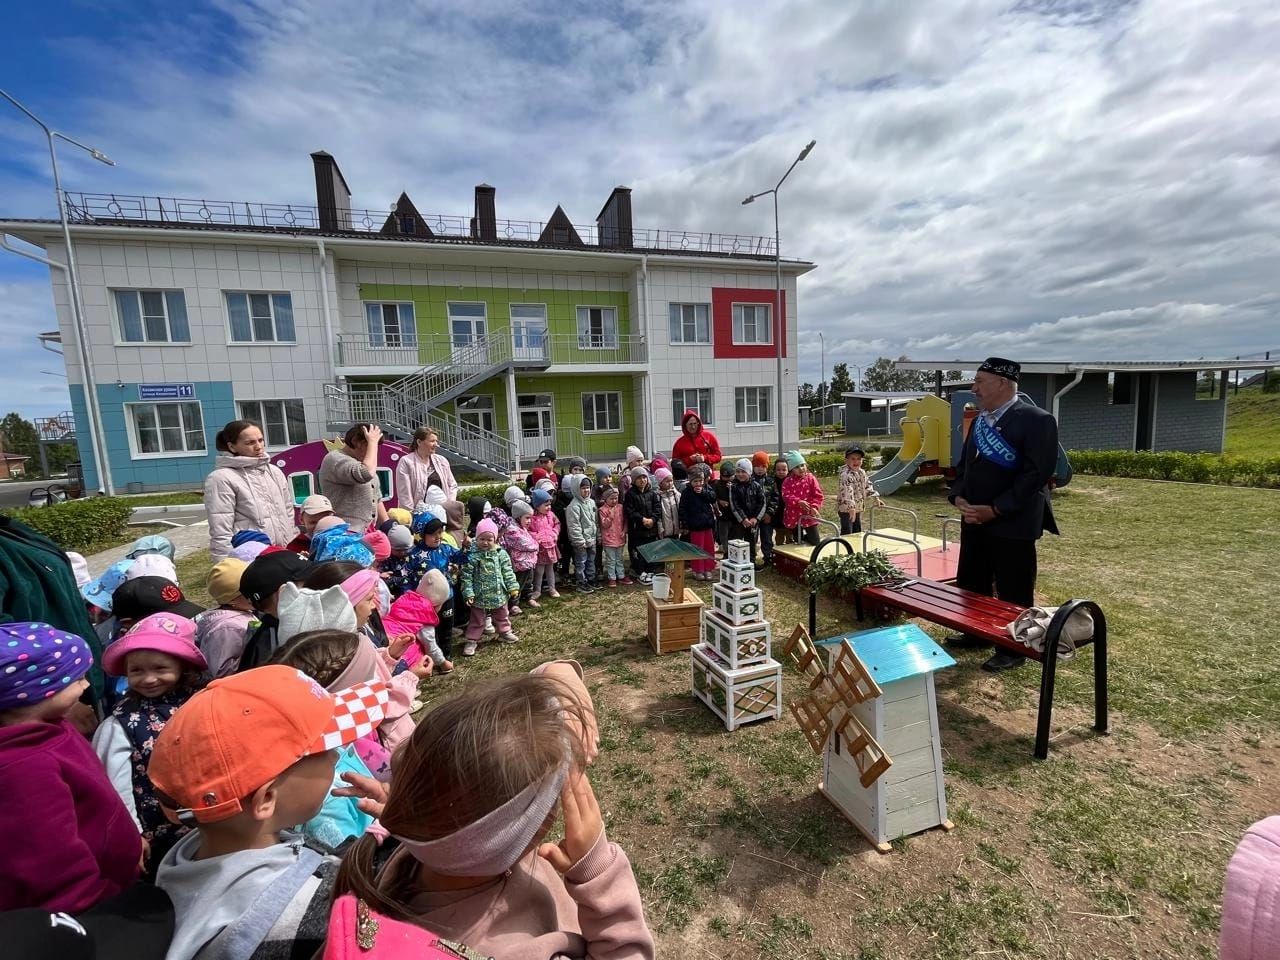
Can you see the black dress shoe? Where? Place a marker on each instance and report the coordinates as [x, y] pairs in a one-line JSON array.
[[964, 641], [1002, 661]]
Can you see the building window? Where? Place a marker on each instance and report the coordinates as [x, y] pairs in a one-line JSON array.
[[601, 412], [751, 405], [407, 225], [697, 399], [1209, 385], [597, 328], [152, 316], [284, 422], [165, 429], [477, 411], [302, 485], [391, 324], [690, 323], [752, 323], [261, 317], [1120, 388]]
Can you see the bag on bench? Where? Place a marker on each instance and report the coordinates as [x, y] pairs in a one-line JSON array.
[[1031, 627]]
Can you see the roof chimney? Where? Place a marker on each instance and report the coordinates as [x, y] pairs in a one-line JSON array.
[[484, 226], [333, 196], [613, 222]]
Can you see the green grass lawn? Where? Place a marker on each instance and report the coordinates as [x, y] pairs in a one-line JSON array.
[[1253, 424], [1114, 847], [175, 498]]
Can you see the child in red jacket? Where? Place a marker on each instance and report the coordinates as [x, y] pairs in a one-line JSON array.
[[66, 839]]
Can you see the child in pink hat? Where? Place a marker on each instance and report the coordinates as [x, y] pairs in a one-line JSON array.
[[159, 659]]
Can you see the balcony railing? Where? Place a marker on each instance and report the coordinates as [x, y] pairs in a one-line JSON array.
[[362, 350], [293, 218]]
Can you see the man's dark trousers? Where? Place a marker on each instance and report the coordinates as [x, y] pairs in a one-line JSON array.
[[996, 566]]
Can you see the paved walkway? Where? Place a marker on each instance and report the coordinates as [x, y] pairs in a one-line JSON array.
[[186, 541]]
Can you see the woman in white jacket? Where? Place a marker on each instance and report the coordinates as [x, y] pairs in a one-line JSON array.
[[416, 471], [245, 491]]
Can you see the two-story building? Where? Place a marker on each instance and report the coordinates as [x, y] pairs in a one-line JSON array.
[[505, 336]]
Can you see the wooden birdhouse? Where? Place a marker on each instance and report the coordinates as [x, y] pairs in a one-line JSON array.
[[872, 715]]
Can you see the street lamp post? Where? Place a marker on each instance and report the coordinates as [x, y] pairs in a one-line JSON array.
[[778, 301], [822, 384], [77, 307]]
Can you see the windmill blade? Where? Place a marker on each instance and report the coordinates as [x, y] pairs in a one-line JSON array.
[[802, 651], [848, 674], [867, 754], [811, 717]]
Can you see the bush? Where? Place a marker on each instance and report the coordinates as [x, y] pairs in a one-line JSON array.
[[1184, 467], [76, 524]]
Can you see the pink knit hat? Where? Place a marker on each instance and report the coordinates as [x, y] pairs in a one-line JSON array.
[[161, 632], [487, 526], [358, 586], [377, 541]]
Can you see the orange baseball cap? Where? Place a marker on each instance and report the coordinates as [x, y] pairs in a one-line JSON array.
[[245, 730]]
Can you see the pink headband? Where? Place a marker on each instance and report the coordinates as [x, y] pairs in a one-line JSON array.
[[358, 586]]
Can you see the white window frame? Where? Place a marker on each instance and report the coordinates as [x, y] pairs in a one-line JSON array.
[[707, 415], [586, 339], [487, 405], [253, 330], [261, 419], [739, 324], [311, 485], [740, 396], [596, 410], [673, 323], [135, 442], [117, 328], [402, 340]]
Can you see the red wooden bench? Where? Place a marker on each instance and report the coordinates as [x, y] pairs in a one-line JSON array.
[[989, 618]]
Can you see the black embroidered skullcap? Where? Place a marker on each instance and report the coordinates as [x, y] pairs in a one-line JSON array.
[[1000, 367]]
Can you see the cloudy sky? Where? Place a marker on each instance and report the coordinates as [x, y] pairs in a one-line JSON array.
[[1046, 179]]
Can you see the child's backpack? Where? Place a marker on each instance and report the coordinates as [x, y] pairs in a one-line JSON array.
[[358, 933]]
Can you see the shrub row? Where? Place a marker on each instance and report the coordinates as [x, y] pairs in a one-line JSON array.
[[1186, 467], [76, 524]]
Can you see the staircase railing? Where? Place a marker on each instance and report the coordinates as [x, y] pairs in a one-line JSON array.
[[472, 363]]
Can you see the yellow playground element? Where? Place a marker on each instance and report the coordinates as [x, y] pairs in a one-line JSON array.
[[926, 428]]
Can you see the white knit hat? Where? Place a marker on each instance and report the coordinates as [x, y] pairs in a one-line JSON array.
[[302, 609], [153, 565], [634, 453], [79, 567], [512, 494]]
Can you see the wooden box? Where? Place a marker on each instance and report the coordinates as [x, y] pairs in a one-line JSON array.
[[738, 576], [738, 607], [736, 696], [737, 644], [674, 626], [739, 551]]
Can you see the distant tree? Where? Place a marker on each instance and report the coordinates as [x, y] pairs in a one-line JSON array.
[[807, 395], [19, 436], [884, 375], [1271, 382], [841, 382]]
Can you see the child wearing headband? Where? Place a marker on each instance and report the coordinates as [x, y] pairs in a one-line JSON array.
[[476, 791]]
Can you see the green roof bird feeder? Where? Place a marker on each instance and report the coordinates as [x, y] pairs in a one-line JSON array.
[[673, 553], [675, 623]]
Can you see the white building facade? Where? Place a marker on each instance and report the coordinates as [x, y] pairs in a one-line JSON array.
[[504, 336]]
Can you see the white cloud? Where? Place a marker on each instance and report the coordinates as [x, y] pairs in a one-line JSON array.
[[26, 308], [1041, 178]]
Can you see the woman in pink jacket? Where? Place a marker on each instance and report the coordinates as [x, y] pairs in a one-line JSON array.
[[802, 496], [422, 468]]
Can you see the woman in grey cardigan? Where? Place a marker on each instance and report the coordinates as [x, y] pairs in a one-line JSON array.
[[349, 478]]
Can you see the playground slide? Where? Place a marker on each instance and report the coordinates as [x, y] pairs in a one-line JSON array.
[[895, 473]]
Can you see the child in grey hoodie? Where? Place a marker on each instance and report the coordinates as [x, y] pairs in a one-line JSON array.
[[584, 531], [243, 884]]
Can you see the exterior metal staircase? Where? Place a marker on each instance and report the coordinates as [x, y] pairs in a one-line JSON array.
[[483, 451], [465, 367]]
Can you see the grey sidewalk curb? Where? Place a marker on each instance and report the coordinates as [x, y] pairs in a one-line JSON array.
[[169, 508]]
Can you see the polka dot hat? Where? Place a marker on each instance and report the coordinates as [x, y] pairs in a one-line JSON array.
[[37, 661]]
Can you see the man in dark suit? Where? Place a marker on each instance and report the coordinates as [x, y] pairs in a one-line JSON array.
[[1002, 491]]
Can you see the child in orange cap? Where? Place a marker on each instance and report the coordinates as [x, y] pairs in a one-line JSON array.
[[164, 668], [245, 761]]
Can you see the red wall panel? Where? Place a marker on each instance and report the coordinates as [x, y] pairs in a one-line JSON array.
[[722, 301]]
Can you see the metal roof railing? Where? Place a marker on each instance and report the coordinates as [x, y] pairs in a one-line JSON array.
[[293, 218]]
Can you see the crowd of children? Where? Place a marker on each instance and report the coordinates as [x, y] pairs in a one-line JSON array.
[[243, 762]]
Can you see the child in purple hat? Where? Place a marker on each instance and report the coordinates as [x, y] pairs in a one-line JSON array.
[[164, 668], [66, 840]]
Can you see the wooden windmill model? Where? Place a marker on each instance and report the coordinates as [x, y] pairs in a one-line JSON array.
[[873, 695]]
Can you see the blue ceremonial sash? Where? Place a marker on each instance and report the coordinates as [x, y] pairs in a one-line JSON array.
[[992, 447]]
